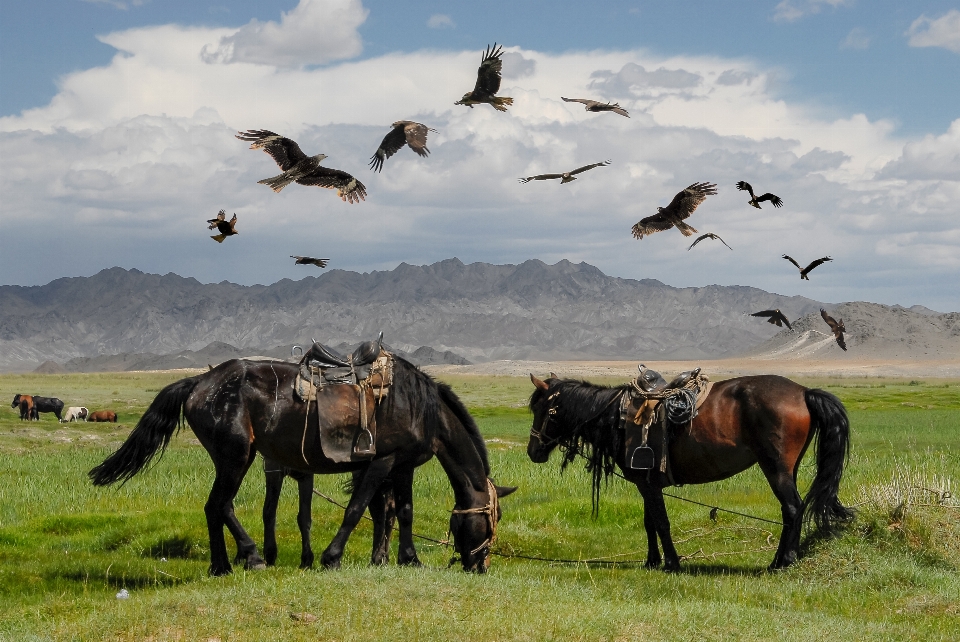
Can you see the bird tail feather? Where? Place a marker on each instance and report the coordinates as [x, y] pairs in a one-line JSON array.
[[686, 230], [219, 238], [277, 183], [500, 102]]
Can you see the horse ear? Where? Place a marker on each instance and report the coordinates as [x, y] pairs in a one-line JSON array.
[[503, 491], [539, 384], [553, 375]]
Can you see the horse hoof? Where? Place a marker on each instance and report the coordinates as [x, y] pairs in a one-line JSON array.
[[331, 565], [671, 567], [220, 571], [414, 563], [652, 564]]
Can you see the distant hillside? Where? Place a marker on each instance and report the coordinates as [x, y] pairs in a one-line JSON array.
[[873, 330], [479, 311]]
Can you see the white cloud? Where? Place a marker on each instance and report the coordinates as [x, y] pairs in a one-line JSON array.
[[134, 156], [940, 32], [312, 33], [441, 21], [792, 10], [858, 38], [118, 4]]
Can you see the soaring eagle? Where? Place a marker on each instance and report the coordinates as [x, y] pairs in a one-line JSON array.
[[299, 168], [708, 235], [594, 106], [775, 317], [565, 177], [806, 270], [744, 186], [681, 207], [488, 82], [309, 260], [836, 327], [404, 132], [226, 228]]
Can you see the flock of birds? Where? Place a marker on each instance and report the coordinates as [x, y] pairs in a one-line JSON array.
[[297, 167]]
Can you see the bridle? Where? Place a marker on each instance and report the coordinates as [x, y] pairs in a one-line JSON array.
[[551, 412], [491, 510]]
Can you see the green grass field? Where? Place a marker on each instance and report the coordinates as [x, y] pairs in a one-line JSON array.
[[66, 547]]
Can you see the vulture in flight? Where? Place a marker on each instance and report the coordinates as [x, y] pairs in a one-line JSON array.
[[708, 235], [754, 200], [681, 207], [404, 132], [595, 106], [309, 260], [836, 327], [299, 168], [225, 227], [805, 271], [488, 82], [775, 317], [565, 177]]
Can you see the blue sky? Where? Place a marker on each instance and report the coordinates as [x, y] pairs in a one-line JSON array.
[[116, 123]]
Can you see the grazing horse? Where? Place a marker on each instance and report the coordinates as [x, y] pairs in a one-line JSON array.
[[75, 413], [27, 410], [766, 420], [48, 404], [102, 415], [242, 407]]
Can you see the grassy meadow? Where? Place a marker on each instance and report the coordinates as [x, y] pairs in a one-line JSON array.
[[67, 548]]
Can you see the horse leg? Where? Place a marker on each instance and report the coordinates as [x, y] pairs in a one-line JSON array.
[[653, 550], [376, 472], [383, 513], [246, 547], [657, 510], [784, 485], [218, 505], [305, 518], [403, 492], [274, 477]]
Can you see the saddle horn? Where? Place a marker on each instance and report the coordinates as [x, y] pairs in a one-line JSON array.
[[293, 350]]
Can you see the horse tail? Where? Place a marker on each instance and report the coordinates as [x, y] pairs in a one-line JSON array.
[[452, 401], [152, 434], [829, 419]]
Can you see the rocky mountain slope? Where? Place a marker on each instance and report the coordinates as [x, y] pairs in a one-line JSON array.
[[480, 311]]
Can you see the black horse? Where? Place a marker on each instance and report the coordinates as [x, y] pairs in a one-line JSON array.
[[242, 407], [766, 420]]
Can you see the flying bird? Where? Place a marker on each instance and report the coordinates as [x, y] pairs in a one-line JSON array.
[[299, 168], [565, 177], [806, 270], [681, 207], [755, 201], [708, 235], [595, 106], [775, 317], [488, 83], [226, 228], [309, 260], [836, 327], [404, 132]]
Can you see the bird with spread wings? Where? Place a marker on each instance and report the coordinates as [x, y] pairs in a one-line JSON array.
[[565, 177], [708, 235], [488, 82], [755, 200], [836, 327], [776, 317], [596, 106], [673, 215], [225, 227], [309, 260], [804, 271], [299, 168], [404, 132]]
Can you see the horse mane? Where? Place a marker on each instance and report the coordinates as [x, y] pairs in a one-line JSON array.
[[456, 406], [411, 383], [589, 426]]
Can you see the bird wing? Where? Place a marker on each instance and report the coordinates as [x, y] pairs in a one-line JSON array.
[[745, 186], [488, 74], [591, 166], [588, 103], [765, 313], [773, 198], [790, 258], [783, 318], [816, 263], [348, 187], [617, 109], [841, 342], [298, 258], [221, 215], [651, 224], [721, 240], [389, 146], [540, 177], [687, 200], [416, 134], [830, 320], [284, 151], [699, 238]]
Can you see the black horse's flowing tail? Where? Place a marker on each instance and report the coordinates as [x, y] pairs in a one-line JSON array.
[[152, 434], [833, 446]]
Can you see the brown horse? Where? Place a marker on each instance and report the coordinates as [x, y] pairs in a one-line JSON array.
[[27, 409], [102, 416], [242, 407], [766, 420]]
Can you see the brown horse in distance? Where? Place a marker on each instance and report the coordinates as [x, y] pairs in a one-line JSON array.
[[102, 416], [766, 420], [27, 409]]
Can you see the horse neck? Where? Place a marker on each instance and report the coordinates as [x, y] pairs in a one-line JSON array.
[[582, 405], [461, 462]]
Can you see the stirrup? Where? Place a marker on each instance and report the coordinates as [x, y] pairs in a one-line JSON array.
[[642, 458]]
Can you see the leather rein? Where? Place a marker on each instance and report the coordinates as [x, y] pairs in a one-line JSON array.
[[491, 509]]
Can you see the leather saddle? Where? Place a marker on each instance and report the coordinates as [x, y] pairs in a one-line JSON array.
[[679, 409], [338, 368]]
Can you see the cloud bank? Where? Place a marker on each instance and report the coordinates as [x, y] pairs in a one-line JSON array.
[[940, 32]]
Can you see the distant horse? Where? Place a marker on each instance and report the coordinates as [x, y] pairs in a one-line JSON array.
[[766, 420], [27, 410], [75, 413], [98, 416], [241, 407], [48, 404]]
